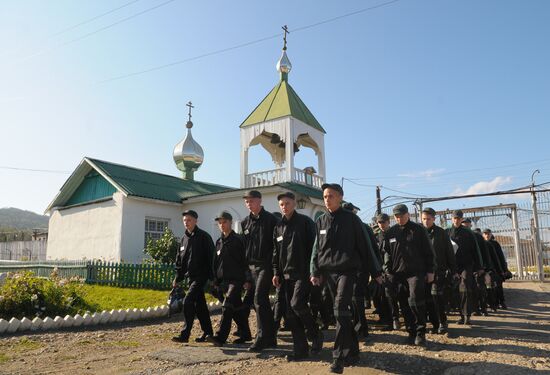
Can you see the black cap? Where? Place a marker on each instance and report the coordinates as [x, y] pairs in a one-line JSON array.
[[252, 194], [190, 213], [224, 215], [467, 220], [335, 187], [477, 230], [487, 230], [400, 209], [286, 194], [458, 213], [350, 206], [429, 211], [382, 218]]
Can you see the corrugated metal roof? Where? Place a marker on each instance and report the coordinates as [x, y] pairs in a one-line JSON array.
[[152, 185], [282, 101]]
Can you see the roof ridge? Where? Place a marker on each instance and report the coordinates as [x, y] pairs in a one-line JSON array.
[[148, 171]]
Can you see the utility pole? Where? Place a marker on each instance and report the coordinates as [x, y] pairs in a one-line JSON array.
[[378, 201], [536, 234]]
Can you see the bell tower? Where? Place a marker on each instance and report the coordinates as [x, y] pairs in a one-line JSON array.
[[282, 124]]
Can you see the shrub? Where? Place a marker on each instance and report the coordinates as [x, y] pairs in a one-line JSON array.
[[164, 249], [25, 295]]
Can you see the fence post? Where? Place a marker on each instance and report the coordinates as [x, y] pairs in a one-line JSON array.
[[517, 242], [536, 236]]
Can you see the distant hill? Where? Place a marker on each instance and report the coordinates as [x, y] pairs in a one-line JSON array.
[[20, 219]]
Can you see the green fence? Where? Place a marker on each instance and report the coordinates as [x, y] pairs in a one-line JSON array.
[[65, 269], [152, 276]]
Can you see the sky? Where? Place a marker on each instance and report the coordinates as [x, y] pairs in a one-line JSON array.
[[423, 97]]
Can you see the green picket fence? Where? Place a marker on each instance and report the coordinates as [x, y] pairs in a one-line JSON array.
[[151, 276], [44, 269]]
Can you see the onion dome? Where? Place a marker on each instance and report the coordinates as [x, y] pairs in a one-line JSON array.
[[188, 154]]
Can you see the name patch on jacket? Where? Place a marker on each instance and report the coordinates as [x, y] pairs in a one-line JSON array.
[[323, 231], [246, 231], [279, 239], [182, 248], [392, 240]]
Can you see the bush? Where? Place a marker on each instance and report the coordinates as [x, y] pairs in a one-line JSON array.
[[164, 249], [25, 295]]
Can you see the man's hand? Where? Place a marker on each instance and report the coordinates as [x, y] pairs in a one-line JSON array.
[[379, 280], [247, 285], [430, 277], [315, 280], [275, 281], [174, 283]]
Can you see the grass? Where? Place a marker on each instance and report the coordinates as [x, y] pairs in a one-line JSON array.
[[25, 345], [4, 358], [109, 297]]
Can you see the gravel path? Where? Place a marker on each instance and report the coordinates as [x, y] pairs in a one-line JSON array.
[[514, 341]]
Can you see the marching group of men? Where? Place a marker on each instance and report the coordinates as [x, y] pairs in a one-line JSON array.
[[321, 272]]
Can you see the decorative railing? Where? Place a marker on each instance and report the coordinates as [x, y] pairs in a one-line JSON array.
[[276, 176]]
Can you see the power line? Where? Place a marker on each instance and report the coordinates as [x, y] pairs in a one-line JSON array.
[[93, 18], [33, 170], [242, 45], [98, 30]]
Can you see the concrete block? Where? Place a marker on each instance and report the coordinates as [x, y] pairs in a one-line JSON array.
[[3, 325], [68, 321], [114, 316], [47, 324], [164, 310], [86, 319], [121, 315], [25, 324], [58, 321], [36, 324], [13, 325], [96, 318], [105, 317], [78, 320]]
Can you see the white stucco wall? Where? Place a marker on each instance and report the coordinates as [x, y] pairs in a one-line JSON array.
[[133, 224], [90, 231]]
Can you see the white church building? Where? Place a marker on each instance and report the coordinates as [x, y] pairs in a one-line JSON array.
[[107, 210]]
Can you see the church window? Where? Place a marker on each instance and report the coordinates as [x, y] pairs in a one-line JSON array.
[[154, 228]]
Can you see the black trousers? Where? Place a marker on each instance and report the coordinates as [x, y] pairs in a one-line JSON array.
[[279, 307], [341, 288], [359, 293], [194, 305], [264, 314], [298, 316], [381, 303], [481, 293], [436, 300], [321, 305], [499, 290], [414, 304], [233, 309], [466, 290]]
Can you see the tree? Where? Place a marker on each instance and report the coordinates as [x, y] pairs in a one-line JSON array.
[[164, 249]]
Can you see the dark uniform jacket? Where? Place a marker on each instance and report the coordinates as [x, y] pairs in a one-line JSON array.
[[375, 262], [482, 246], [444, 253], [341, 244], [467, 254], [497, 267], [195, 257], [408, 250], [230, 261], [293, 243], [500, 255], [257, 232]]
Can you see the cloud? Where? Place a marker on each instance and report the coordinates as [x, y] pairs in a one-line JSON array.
[[483, 187], [428, 173]]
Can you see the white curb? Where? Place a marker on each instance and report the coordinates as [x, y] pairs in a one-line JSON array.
[[13, 325], [3, 325], [36, 324], [25, 324]]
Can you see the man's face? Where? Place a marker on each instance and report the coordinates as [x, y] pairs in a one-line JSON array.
[[427, 220], [189, 222], [457, 221], [332, 199], [487, 236], [224, 225], [253, 204], [402, 219], [383, 225], [287, 206]]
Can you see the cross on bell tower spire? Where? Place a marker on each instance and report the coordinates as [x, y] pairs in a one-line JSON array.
[[283, 65], [285, 28], [189, 122]]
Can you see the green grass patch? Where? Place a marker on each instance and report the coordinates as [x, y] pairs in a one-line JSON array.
[[25, 345], [126, 344], [109, 297], [4, 358]]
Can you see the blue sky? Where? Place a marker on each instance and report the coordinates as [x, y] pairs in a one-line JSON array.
[[426, 97]]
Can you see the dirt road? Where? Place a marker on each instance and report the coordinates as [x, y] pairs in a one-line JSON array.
[[513, 341]]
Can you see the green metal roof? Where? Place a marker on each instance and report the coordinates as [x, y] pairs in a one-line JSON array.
[[309, 191], [94, 187], [146, 184], [282, 101]]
